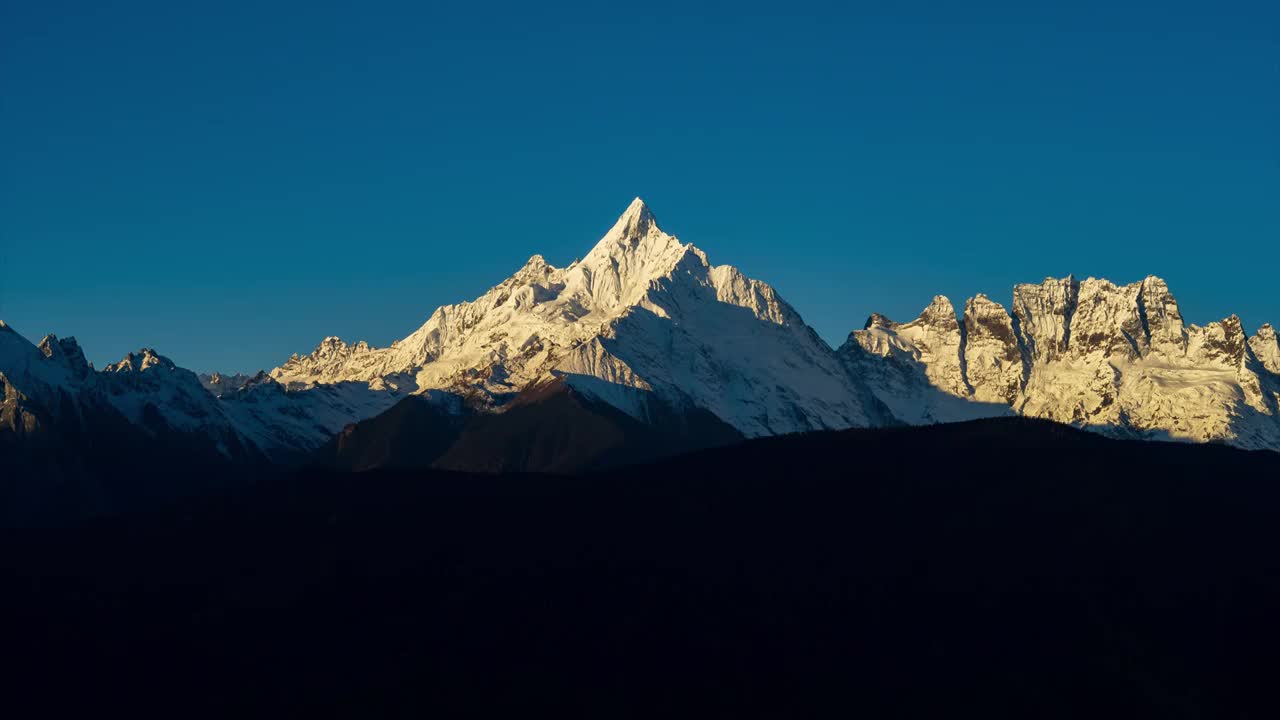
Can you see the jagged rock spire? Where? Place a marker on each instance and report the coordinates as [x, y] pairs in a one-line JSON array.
[[992, 357], [67, 352], [1266, 346], [140, 361]]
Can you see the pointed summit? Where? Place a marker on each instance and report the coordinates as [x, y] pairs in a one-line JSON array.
[[635, 222], [1266, 347], [637, 207], [633, 250], [940, 311], [67, 352], [49, 346], [875, 319]]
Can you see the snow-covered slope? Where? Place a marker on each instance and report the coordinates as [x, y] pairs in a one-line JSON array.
[[285, 422], [157, 395], [917, 369], [58, 388], [77, 442], [43, 372], [640, 313], [218, 384], [1117, 359]]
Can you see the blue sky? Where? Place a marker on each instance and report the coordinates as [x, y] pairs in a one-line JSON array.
[[229, 183]]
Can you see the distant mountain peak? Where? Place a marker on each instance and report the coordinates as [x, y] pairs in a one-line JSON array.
[[67, 352], [141, 361], [939, 311], [1266, 347], [49, 346], [875, 319]]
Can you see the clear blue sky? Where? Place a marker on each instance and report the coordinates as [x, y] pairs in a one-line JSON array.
[[230, 182]]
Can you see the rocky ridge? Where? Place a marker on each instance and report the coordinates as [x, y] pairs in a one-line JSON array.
[[1117, 359]]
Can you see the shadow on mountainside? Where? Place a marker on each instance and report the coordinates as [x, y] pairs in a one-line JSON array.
[[902, 385], [88, 460], [413, 433], [557, 426], [760, 368]]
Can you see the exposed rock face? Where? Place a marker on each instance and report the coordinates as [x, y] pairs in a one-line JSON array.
[[329, 360], [917, 369], [1106, 321], [67, 353], [1266, 348], [932, 339], [1163, 320], [992, 358], [1044, 314], [1117, 359]]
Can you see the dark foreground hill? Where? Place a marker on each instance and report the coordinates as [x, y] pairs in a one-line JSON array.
[[1008, 568]]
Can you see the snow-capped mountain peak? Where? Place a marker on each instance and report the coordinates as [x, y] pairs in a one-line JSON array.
[[618, 270], [641, 311], [635, 222], [28, 366]]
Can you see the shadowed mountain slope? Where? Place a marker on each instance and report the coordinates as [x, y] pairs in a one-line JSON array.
[[551, 428]]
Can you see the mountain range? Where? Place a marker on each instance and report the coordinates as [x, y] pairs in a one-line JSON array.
[[641, 348]]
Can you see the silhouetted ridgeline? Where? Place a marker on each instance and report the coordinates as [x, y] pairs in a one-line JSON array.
[[1008, 567]]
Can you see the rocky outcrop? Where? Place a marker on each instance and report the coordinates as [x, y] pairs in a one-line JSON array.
[[932, 340], [66, 352], [1114, 358], [992, 357], [1044, 313], [1266, 348], [917, 369], [1162, 321]]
